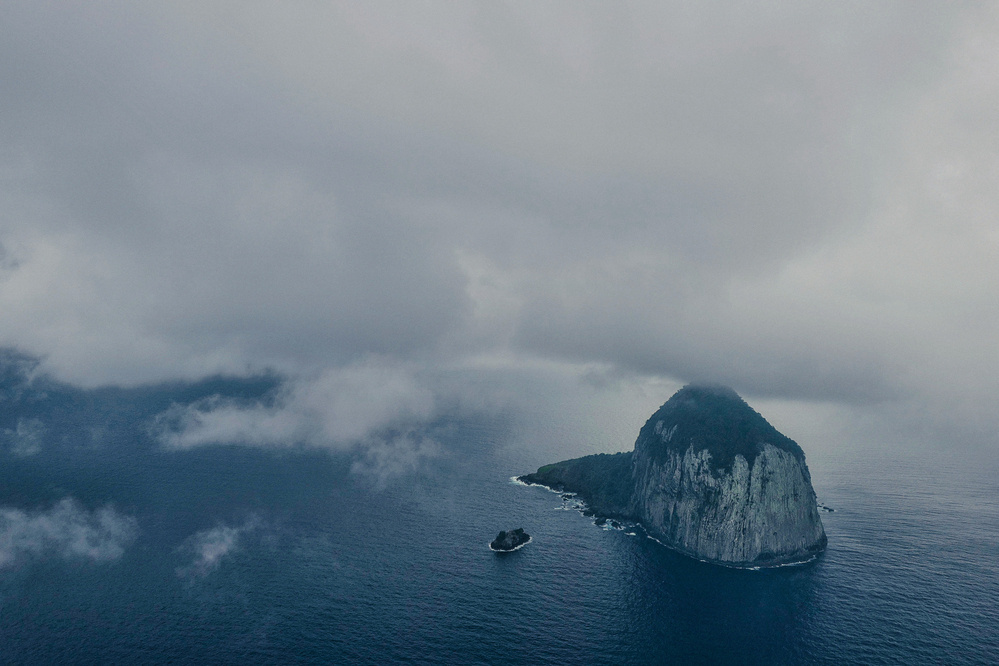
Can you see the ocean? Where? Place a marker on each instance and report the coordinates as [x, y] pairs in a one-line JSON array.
[[234, 554]]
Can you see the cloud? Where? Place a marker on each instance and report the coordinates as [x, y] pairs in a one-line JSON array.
[[209, 547], [796, 200], [384, 459], [375, 410], [66, 530], [26, 438], [337, 409]]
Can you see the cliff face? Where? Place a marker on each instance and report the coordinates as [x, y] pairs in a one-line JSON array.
[[708, 477], [714, 480], [749, 516]]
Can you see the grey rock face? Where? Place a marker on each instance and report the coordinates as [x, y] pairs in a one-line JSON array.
[[714, 480], [759, 515]]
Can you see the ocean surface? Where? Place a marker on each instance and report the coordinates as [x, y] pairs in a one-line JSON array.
[[252, 555]]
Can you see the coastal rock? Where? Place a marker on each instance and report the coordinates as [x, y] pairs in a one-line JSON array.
[[603, 481], [508, 541], [709, 477]]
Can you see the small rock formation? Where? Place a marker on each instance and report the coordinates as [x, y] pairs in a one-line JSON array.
[[508, 541], [709, 477]]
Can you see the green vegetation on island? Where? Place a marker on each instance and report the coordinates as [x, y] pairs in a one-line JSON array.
[[715, 419], [602, 480]]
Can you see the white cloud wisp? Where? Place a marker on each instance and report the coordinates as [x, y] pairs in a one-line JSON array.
[[208, 548], [66, 530], [336, 410]]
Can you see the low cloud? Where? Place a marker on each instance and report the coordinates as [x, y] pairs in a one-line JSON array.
[[797, 201], [337, 409], [66, 530], [208, 548], [25, 439], [370, 408], [384, 459]]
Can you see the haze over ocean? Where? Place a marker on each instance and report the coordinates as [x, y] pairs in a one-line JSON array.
[[288, 293], [133, 550], [241, 554]]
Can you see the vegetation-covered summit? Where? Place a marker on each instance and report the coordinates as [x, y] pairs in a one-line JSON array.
[[713, 418]]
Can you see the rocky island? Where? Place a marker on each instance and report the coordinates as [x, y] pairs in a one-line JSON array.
[[506, 542], [710, 478]]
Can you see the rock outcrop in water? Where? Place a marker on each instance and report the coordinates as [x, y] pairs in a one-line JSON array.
[[709, 477], [512, 540]]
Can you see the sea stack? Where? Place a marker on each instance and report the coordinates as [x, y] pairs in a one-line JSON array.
[[710, 478], [508, 541]]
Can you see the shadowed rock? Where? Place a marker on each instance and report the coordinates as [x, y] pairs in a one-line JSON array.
[[512, 540]]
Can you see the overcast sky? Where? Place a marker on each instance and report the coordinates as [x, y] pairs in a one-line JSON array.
[[437, 203]]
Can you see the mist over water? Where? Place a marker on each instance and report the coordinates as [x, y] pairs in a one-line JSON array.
[[247, 554]]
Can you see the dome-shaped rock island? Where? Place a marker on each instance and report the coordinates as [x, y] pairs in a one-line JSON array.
[[710, 478]]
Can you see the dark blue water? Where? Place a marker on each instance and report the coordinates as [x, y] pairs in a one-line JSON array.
[[328, 568]]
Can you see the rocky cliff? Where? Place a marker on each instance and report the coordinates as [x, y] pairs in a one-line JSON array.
[[709, 477]]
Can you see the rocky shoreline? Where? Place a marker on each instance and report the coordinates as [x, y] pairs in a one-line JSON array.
[[635, 528]]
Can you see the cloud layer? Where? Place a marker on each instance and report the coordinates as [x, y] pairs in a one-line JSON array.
[[795, 200], [66, 530]]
